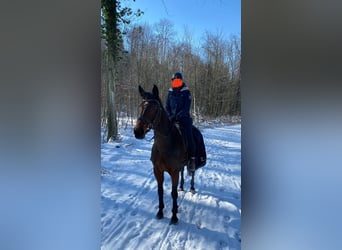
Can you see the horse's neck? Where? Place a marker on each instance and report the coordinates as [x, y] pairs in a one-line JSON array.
[[164, 127], [166, 140]]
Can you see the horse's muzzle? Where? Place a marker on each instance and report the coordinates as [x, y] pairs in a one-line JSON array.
[[139, 133]]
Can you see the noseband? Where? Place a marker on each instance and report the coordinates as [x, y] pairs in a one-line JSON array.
[[151, 123]]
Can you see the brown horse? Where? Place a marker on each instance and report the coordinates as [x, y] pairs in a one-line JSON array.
[[168, 151]]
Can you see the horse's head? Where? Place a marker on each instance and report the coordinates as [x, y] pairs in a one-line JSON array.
[[149, 112]]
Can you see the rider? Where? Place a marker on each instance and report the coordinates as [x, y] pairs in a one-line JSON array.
[[178, 105]]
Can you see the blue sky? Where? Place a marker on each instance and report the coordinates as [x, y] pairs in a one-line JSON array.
[[197, 15]]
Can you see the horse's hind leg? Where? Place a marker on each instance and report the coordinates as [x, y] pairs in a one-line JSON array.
[[160, 180], [192, 188], [181, 186]]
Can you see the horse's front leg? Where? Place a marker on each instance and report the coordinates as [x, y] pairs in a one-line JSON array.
[[174, 195], [160, 180]]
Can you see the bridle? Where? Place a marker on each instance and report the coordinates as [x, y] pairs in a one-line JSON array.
[[145, 105]]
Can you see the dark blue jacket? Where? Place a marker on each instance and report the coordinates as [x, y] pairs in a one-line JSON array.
[[178, 103]]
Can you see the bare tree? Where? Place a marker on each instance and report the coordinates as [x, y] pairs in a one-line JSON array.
[[212, 71]]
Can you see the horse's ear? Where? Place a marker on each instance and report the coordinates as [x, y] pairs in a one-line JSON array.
[[142, 92], [155, 91]]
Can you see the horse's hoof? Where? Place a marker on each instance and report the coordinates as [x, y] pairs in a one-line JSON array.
[[159, 215], [192, 190], [181, 189], [174, 220]]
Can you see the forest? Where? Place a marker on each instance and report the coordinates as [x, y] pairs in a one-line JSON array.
[[149, 54]]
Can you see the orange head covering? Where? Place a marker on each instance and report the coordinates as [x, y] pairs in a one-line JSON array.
[[177, 83]]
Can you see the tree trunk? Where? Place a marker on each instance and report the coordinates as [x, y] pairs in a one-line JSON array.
[[112, 125]]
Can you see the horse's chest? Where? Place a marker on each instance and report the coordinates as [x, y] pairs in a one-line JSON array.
[[164, 160]]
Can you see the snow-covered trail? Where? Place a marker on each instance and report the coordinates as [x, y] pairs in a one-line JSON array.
[[209, 219]]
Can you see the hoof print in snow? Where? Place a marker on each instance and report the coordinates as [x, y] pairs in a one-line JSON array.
[[237, 236], [223, 244]]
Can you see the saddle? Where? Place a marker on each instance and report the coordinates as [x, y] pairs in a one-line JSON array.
[[200, 152]]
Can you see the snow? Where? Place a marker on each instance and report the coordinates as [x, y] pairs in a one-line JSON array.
[[209, 219]]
